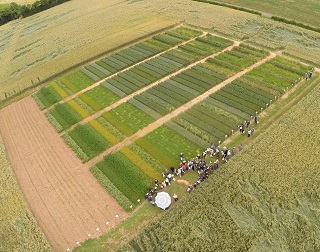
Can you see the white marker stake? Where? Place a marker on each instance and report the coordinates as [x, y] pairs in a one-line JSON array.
[[97, 229], [89, 235]]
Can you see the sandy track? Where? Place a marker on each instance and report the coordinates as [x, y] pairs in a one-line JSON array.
[[65, 198]]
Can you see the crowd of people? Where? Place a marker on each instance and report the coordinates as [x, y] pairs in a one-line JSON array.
[[203, 166]]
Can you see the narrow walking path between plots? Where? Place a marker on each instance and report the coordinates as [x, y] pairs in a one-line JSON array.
[[179, 110], [128, 97], [123, 70], [68, 202]]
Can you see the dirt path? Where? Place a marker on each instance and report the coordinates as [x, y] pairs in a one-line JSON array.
[[67, 201], [179, 110], [128, 97], [123, 70]]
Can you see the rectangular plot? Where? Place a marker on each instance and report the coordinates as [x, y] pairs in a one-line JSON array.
[[143, 74], [234, 104], [130, 55], [69, 85], [188, 83], [149, 48], [106, 66], [173, 97], [120, 86], [157, 70], [79, 79], [88, 100], [172, 57], [157, 44], [183, 55], [145, 108], [113, 89], [137, 77], [130, 116], [67, 113], [127, 77], [60, 91], [127, 83], [166, 61], [148, 71], [122, 59], [151, 104], [80, 110], [101, 69], [102, 96], [167, 39], [185, 133], [176, 90], [180, 86], [120, 184], [95, 71], [185, 31], [112, 64], [90, 74], [230, 109], [142, 51], [165, 97], [104, 132], [120, 63], [140, 163]]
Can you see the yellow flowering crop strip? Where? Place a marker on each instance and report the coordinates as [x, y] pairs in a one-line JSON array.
[[105, 133], [78, 108]]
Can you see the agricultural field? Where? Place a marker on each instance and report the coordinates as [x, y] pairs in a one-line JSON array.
[[294, 10], [122, 99], [270, 197], [63, 50], [16, 217]]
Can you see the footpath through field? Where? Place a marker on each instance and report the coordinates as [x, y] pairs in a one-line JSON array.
[[68, 202], [179, 110], [125, 69], [128, 97]]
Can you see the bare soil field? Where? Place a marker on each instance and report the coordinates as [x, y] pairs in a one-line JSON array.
[[69, 204]]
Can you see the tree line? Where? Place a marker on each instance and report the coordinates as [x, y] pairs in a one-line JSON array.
[[13, 11]]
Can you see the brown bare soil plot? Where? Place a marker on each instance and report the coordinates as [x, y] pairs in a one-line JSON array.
[[67, 201]]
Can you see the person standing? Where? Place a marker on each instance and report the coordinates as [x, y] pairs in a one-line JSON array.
[[175, 197]]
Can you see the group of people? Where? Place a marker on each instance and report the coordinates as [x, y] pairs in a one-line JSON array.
[[199, 164]]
